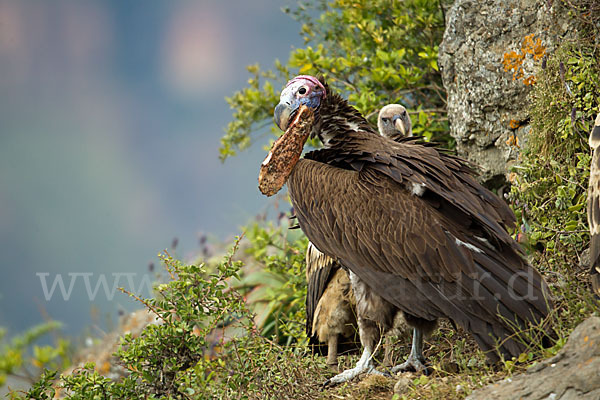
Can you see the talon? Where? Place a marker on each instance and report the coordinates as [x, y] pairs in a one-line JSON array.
[[374, 371], [411, 365]]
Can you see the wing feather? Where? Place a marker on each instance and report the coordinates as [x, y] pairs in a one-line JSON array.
[[419, 253], [408, 161], [319, 271]]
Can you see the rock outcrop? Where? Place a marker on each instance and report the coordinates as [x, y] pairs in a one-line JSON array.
[[483, 98], [574, 373]]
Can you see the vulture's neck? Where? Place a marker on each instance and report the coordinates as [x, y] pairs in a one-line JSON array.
[[337, 118]]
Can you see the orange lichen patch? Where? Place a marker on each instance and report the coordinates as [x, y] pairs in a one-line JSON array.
[[513, 60], [285, 153], [533, 47], [514, 124], [513, 141], [530, 80]]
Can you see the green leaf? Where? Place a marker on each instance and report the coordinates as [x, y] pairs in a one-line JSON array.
[[576, 207], [306, 68]]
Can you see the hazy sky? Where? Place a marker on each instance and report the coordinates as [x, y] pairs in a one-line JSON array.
[[110, 118]]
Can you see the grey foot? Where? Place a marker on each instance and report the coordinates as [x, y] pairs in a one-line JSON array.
[[411, 364], [350, 374]]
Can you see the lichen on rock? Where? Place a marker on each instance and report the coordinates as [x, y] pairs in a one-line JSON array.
[[486, 106]]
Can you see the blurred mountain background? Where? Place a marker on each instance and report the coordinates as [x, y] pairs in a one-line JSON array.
[[110, 118]]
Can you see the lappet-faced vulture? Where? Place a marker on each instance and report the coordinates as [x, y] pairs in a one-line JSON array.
[[330, 304], [411, 223], [594, 208]]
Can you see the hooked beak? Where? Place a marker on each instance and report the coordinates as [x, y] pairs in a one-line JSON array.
[[399, 124], [284, 112]]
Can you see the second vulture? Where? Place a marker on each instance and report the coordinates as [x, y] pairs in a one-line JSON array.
[[418, 233], [330, 304]]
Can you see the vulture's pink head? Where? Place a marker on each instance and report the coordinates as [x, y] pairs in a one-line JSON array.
[[303, 89]]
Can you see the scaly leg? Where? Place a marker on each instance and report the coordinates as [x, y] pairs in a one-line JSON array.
[[365, 364], [415, 361], [369, 335], [332, 345]]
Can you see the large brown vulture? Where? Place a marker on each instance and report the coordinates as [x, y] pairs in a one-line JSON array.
[[594, 208], [330, 304], [416, 230]]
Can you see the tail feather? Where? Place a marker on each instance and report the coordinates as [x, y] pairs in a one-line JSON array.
[[486, 310]]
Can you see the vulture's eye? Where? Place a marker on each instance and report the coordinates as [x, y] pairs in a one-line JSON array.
[[385, 120], [302, 90]]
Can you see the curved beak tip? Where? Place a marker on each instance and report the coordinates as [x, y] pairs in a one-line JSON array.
[[399, 125], [281, 115]]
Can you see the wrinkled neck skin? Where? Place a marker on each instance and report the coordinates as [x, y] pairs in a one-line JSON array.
[[337, 117]]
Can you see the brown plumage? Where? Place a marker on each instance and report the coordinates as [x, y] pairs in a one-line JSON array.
[[330, 304], [414, 227], [593, 204]]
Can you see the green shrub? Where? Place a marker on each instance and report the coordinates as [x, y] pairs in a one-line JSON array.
[[274, 281], [204, 344], [23, 359], [549, 184]]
